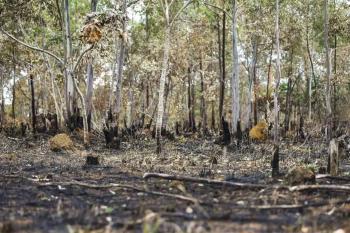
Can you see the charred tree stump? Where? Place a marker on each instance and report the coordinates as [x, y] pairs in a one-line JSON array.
[[111, 132], [226, 137], [333, 158], [239, 134], [75, 121], [92, 160], [301, 132], [111, 137], [33, 104], [177, 128], [275, 161]]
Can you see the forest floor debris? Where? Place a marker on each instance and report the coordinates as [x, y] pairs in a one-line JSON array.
[[45, 191]]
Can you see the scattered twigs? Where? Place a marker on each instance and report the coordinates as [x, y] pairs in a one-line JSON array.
[[203, 181], [342, 188], [125, 186]]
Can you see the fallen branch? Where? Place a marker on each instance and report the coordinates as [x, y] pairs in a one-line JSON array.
[[343, 188], [113, 185], [204, 181], [296, 206], [326, 176]]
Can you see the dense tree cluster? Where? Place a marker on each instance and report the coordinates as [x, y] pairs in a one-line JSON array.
[[176, 66]]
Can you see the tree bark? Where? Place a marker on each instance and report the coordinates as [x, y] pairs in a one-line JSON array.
[[255, 79], [2, 99], [120, 62], [69, 82], [288, 95], [33, 104], [90, 79], [223, 64], [275, 159], [328, 74], [13, 86], [163, 76], [130, 104], [267, 96], [203, 105], [235, 104]]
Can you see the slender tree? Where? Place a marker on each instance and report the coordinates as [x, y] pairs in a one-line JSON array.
[[235, 104], [166, 5], [328, 73], [275, 159], [90, 78]]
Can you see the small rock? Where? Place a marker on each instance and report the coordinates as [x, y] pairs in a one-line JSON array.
[[300, 175], [61, 142]]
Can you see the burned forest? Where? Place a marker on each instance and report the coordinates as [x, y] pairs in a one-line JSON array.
[[184, 116]]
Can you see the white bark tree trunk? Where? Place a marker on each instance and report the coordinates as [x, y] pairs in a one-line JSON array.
[[69, 85], [90, 79], [328, 73], [235, 106], [278, 77], [120, 65], [163, 76], [275, 159]]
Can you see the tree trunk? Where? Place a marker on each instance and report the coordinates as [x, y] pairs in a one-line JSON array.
[[252, 94], [267, 96], [212, 116], [288, 96], [223, 61], [235, 105], [163, 77], [2, 100], [89, 92], [69, 82], [255, 79], [203, 105], [328, 73], [14, 86], [130, 104], [90, 79], [334, 83], [189, 99], [312, 68], [120, 62], [275, 159], [33, 104], [221, 101]]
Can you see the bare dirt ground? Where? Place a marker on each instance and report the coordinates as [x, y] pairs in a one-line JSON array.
[[45, 191]]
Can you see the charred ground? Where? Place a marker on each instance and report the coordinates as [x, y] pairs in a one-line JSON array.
[[45, 191]]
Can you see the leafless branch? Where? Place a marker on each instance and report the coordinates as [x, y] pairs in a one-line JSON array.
[[81, 56], [125, 186], [32, 47]]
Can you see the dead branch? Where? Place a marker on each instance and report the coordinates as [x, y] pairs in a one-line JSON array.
[[342, 188], [204, 181], [296, 206], [327, 176], [81, 56], [114, 185]]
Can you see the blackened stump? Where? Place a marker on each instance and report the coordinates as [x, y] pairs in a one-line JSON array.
[[92, 160]]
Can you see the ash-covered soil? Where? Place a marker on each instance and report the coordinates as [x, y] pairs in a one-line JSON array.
[[45, 191]]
